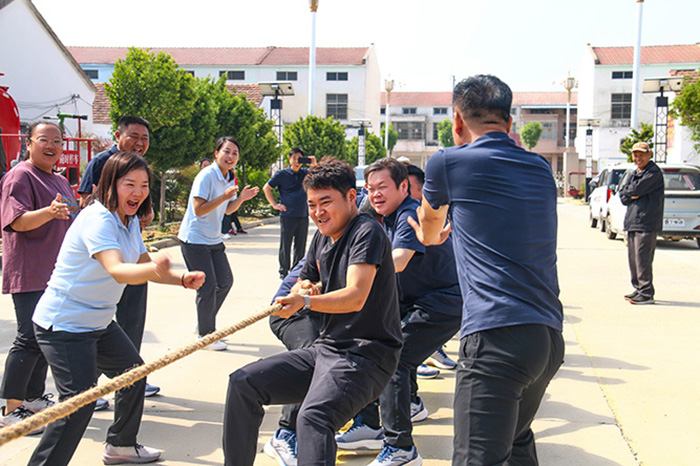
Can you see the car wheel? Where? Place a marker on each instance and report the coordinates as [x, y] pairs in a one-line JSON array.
[[608, 229], [593, 220]]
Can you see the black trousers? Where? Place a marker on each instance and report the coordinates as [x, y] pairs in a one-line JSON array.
[[333, 386], [227, 220], [501, 378], [292, 229], [25, 366], [423, 332], [213, 262], [298, 331], [131, 312], [640, 253], [76, 360]]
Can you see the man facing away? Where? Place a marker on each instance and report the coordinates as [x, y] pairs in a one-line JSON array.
[[132, 135], [294, 215], [644, 198], [502, 205], [350, 274]]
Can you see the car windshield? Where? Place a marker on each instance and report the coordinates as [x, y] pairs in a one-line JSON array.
[[681, 180]]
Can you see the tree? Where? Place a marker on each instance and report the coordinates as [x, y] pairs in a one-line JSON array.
[[374, 149], [646, 134], [317, 136], [154, 87], [393, 137], [445, 133], [686, 106], [530, 134]]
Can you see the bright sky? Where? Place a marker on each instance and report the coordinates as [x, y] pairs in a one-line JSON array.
[[420, 44]]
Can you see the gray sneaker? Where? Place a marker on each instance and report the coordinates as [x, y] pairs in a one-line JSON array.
[[360, 437], [424, 371], [418, 411], [134, 454], [39, 404], [283, 447], [17, 415], [392, 456]]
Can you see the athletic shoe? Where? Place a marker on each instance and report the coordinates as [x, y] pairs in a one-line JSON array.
[[392, 456], [283, 447], [242, 231], [39, 404], [17, 415], [232, 232], [151, 390], [639, 299], [423, 371], [101, 404], [135, 454], [631, 295], [418, 411], [360, 437], [441, 360], [225, 236], [216, 346]]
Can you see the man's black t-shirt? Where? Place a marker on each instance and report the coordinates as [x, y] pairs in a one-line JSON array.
[[375, 331]]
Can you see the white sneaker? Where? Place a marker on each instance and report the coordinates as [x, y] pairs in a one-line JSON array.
[[283, 447], [360, 437], [17, 415], [151, 390], [423, 371], [441, 360], [392, 456], [225, 236], [418, 411], [134, 454], [216, 346], [39, 404]]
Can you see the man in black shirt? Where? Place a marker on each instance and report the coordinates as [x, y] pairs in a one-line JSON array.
[[350, 275]]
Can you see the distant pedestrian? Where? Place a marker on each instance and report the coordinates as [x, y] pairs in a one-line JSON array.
[[35, 213], [294, 214], [644, 198], [213, 194]]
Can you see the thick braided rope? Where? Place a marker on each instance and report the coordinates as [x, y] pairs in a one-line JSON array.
[[71, 405]]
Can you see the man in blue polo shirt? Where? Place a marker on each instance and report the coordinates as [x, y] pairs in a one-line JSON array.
[[502, 204], [294, 214], [431, 308]]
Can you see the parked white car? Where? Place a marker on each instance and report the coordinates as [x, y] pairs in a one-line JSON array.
[[603, 189], [681, 204]]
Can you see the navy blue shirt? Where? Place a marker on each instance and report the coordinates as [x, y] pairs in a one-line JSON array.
[[292, 194], [93, 171], [430, 278], [503, 210]]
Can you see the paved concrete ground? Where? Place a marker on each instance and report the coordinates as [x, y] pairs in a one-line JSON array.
[[626, 395]]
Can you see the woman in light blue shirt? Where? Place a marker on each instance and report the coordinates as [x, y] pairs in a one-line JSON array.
[[102, 252], [213, 195]]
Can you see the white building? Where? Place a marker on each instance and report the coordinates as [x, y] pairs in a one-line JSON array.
[[347, 80], [42, 76], [605, 93]]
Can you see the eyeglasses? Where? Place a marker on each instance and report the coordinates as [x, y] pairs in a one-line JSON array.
[[46, 142]]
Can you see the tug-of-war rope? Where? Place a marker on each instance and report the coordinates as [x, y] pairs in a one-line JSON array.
[[72, 404]]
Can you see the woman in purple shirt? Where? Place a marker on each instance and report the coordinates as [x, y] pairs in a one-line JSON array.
[[35, 213]]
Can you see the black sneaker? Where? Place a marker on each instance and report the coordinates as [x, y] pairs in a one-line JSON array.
[[639, 299], [631, 295]]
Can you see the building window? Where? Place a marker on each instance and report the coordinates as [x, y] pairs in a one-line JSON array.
[[337, 76], [549, 130], [190, 72], [233, 75], [286, 76], [621, 106], [572, 131], [439, 110], [539, 111], [382, 111], [92, 74], [337, 106], [408, 110], [410, 129], [622, 75], [436, 133]]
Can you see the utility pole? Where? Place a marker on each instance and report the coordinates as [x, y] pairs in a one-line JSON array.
[[635, 66], [313, 4]]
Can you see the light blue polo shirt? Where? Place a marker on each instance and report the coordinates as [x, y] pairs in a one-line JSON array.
[[81, 295], [205, 229]]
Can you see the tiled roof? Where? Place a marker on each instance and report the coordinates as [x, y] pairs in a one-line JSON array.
[[101, 104], [655, 54], [444, 99], [693, 75], [230, 55]]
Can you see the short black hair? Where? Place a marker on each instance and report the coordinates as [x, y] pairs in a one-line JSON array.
[[296, 150], [482, 98], [128, 120], [397, 169], [417, 172], [331, 173]]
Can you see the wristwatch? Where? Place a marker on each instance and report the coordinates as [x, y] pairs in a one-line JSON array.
[[307, 303]]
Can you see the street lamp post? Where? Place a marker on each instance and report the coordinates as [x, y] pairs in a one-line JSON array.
[[313, 5], [388, 87], [569, 84]]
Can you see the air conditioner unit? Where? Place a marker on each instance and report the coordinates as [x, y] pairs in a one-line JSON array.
[[620, 123]]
